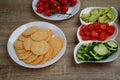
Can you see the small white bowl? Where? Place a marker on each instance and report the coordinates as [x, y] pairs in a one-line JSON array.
[[110, 37], [109, 59], [87, 10]]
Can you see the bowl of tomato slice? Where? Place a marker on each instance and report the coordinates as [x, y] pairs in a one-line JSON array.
[[97, 31]]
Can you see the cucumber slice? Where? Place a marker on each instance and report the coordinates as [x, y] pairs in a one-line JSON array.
[[101, 49], [112, 44], [95, 56]]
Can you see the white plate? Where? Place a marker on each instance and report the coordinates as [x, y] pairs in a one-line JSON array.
[[19, 30], [110, 37], [71, 10], [87, 10], [109, 59]]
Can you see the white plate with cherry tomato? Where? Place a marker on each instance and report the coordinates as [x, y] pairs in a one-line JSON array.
[[97, 31], [56, 9]]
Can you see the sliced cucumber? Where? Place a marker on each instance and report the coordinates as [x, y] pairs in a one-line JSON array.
[[112, 44], [101, 50]]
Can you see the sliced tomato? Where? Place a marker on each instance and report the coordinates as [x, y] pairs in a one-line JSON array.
[[103, 36], [94, 34], [86, 38], [110, 29], [81, 33], [89, 27]]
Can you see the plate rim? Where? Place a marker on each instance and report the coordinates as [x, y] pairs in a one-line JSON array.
[[44, 17], [52, 61]]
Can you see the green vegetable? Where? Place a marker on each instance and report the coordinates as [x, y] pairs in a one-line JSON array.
[[99, 14], [96, 50]]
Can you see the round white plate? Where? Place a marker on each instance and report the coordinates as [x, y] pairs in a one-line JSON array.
[[109, 59], [110, 37], [19, 30], [87, 10], [71, 10]]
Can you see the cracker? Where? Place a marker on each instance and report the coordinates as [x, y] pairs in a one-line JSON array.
[[30, 59], [27, 43], [19, 51], [39, 35], [18, 44], [39, 48], [38, 60], [30, 30], [22, 38], [24, 55]]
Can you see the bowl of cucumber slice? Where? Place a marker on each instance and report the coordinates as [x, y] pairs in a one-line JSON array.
[[98, 14], [96, 51]]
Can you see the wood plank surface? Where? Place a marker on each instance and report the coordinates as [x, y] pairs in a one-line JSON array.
[[14, 13]]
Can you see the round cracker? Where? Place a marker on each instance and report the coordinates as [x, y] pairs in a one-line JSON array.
[[21, 37], [39, 48], [57, 44], [50, 34], [30, 58], [24, 55], [27, 43], [19, 51], [18, 44], [39, 35], [30, 30], [38, 60]]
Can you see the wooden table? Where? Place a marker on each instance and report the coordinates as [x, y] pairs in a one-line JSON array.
[[14, 13]]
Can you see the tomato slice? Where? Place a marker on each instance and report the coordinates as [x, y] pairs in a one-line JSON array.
[[103, 36], [94, 34], [110, 29]]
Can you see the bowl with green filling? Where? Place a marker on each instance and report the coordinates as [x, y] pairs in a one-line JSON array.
[[96, 51], [98, 14]]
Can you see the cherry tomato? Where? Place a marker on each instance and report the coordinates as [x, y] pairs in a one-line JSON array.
[[98, 31], [40, 9], [46, 6], [44, 1], [103, 26], [64, 9], [86, 38], [81, 33], [89, 27], [83, 27], [64, 2], [39, 4], [54, 5], [103, 36], [57, 9], [96, 25], [110, 29], [94, 34], [87, 33], [73, 2], [51, 1], [47, 12]]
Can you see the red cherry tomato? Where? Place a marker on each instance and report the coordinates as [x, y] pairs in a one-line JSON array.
[[86, 38], [40, 9], [94, 34], [96, 25], [89, 27], [57, 9], [81, 33], [64, 2], [64, 9], [47, 12], [44, 1], [39, 4], [110, 29], [103, 26], [103, 36], [51, 1], [83, 27], [73, 2], [46, 6], [87, 33]]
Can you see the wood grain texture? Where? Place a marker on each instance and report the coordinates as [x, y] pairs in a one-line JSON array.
[[14, 13]]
